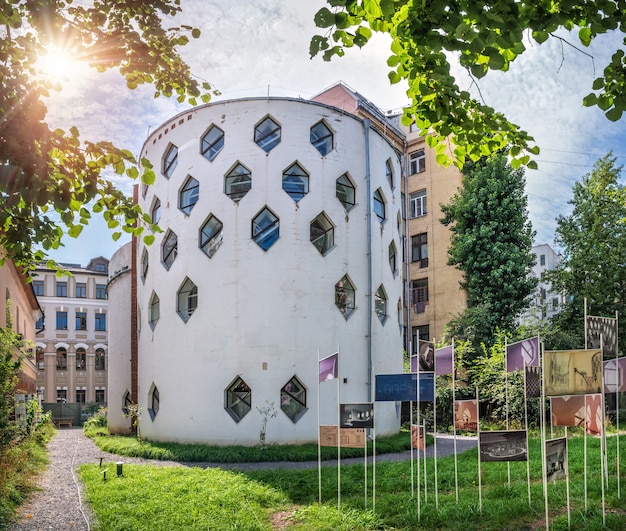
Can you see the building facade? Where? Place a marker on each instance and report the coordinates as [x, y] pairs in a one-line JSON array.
[[21, 312], [546, 303], [71, 338], [433, 292], [281, 244]]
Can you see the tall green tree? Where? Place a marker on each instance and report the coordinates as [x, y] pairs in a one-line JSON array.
[[593, 241], [49, 174], [491, 244], [483, 37]]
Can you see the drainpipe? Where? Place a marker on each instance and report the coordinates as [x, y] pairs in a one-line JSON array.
[[368, 219]]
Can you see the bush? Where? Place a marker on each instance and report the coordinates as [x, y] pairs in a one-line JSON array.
[[99, 420]]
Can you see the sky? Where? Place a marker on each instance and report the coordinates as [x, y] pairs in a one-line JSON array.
[[261, 47]]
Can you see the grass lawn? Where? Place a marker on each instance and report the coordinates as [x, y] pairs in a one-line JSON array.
[[191, 498]]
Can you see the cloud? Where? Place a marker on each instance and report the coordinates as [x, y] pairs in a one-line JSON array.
[[257, 47]]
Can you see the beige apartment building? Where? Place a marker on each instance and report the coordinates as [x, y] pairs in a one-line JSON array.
[[21, 312], [433, 292], [435, 295], [71, 339]]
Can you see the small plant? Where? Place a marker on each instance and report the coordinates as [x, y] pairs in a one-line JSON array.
[[133, 412], [267, 412]]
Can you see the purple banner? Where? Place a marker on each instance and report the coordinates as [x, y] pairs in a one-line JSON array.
[[614, 372], [443, 360], [522, 354], [328, 367]]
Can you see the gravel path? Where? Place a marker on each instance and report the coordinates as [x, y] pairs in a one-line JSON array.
[[60, 504]]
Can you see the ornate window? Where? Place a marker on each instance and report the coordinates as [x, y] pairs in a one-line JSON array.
[[389, 173], [170, 160], [265, 228], [296, 182], [393, 258], [169, 249], [345, 298], [267, 134], [144, 265], [238, 399], [154, 401], [212, 142], [61, 358], [40, 358], [293, 399], [81, 359], [155, 310], [237, 182], [211, 235], [345, 191], [322, 233], [100, 360], [155, 212], [81, 320], [380, 303], [322, 138], [187, 299], [188, 195], [379, 205]]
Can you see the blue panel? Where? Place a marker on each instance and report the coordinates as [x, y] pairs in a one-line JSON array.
[[403, 387]]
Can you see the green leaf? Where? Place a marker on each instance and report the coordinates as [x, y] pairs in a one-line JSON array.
[[148, 239], [540, 36], [584, 34], [598, 83], [116, 236], [324, 18], [532, 165], [75, 231], [195, 33], [590, 100], [614, 114]]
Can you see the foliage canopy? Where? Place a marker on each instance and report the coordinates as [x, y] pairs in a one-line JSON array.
[[49, 174], [593, 238], [491, 244], [483, 37]]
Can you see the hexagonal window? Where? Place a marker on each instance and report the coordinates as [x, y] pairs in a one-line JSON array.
[[379, 205], [188, 195], [296, 182], [211, 235], [393, 258], [212, 142], [170, 160], [267, 134], [169, 249], [238, 399], [293, 399], [265, 228], [345, 191], [237, 182], [155, 310], [380, 303], [154, 402], [155, 211], [322, 233], [322, 138], [389, 173], [187, 299], [144, 265], [345, 298]]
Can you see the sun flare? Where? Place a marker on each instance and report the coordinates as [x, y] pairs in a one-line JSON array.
[[58, 65]]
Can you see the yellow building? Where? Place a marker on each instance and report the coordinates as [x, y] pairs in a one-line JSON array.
[[22, 311]]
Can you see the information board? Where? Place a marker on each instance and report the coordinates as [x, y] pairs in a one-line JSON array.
[[403, 387]]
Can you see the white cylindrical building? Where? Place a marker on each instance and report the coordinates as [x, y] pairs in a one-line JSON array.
[[119, 366], [281, 245]]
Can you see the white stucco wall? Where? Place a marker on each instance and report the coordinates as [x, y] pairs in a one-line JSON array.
[[119, 292], [266, 315]]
